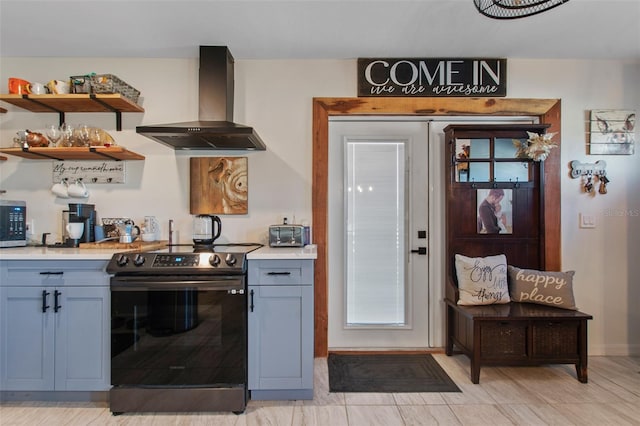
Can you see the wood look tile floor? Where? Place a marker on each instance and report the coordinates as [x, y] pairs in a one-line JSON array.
[[547, 395]]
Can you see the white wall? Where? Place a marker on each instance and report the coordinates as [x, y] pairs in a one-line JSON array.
[[605, 259], [275, 97]]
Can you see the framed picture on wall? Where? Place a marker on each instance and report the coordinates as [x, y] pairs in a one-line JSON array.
[[494, 211], [612, 132], [219, 185]]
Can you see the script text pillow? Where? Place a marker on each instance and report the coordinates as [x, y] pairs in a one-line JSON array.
[[482, 280], [542, 287]]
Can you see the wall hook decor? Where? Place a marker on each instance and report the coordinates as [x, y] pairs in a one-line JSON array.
[[590, 173], [603, 184]]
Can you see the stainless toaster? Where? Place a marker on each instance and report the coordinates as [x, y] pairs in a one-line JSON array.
[[286, 236]]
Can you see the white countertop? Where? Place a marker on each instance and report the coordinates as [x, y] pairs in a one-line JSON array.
[[266, 252], [64, 253], [48, 253]]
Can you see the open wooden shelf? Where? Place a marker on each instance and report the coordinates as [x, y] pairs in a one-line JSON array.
[[114, 153], [78, 102], [60, 104]]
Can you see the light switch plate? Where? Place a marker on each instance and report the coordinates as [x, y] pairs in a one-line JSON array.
[[587, 220]]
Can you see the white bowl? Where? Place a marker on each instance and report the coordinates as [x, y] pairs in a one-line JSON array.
[[149, 237]]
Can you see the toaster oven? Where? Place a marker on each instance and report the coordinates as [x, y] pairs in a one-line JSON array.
[[13, 223]]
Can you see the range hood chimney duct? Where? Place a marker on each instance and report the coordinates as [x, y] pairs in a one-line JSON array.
[[215, 129], [216, 84]]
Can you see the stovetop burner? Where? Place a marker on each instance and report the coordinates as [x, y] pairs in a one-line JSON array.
[[219, 259]]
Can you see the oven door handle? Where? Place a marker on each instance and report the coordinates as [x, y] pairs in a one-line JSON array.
[[215, 285]]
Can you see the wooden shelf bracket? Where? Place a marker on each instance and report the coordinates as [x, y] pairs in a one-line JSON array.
[[41, 154], [117, 112]]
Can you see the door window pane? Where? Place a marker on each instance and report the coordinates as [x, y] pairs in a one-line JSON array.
[[505, 148], [479, 172], [375, 224], [479, 148], [512, 172]]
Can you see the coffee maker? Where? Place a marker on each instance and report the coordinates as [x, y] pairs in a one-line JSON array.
[[84, 213]]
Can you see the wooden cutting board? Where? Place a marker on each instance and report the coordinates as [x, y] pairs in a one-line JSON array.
[[136, 245]]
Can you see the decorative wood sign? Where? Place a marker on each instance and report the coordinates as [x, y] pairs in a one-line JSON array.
[[219, 185], [89, 171], [612, 132], [432, 77]]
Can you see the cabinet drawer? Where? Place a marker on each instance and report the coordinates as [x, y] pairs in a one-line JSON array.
[[281, 272], [504, 339], [54, 273], [553, 339]]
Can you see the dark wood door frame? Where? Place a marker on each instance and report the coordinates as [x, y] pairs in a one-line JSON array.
[[548, 110]]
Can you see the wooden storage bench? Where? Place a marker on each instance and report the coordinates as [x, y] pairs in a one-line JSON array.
[[480, 158], [517, 334]]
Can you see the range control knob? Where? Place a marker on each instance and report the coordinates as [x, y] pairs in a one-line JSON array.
[[122, 260], [214, 260], [230, 259], [139, 260]]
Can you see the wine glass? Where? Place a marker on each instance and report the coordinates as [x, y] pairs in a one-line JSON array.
[[54, 134], [67, 134], [82, 134], [95, 137]]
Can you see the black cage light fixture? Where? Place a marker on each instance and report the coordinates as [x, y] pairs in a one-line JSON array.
[[512, 9]]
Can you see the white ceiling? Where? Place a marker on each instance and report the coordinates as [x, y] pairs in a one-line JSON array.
[[315, 29]]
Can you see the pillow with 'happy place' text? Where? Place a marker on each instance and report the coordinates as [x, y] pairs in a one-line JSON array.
[[542, 287], [482, 280]]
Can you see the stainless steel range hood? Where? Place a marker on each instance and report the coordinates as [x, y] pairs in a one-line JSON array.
[[214, 128]]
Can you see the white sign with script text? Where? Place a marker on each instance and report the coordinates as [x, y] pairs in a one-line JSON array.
[[89, 171]]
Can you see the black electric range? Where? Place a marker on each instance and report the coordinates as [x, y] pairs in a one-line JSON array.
[[179, 329], [220, 259]]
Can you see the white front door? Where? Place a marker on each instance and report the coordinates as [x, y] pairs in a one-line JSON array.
[[378, 213]]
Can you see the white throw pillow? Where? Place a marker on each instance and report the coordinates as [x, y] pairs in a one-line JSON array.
[[482, 280]]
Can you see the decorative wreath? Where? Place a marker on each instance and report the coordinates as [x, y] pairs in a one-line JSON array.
[[537, 147]]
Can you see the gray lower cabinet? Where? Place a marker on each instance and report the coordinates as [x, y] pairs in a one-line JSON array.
[[54, 326], [280, 329]]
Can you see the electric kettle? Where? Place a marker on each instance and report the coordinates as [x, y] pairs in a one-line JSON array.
[[204, 229]]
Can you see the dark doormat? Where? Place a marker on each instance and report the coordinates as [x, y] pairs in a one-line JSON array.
[[387, 373]]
